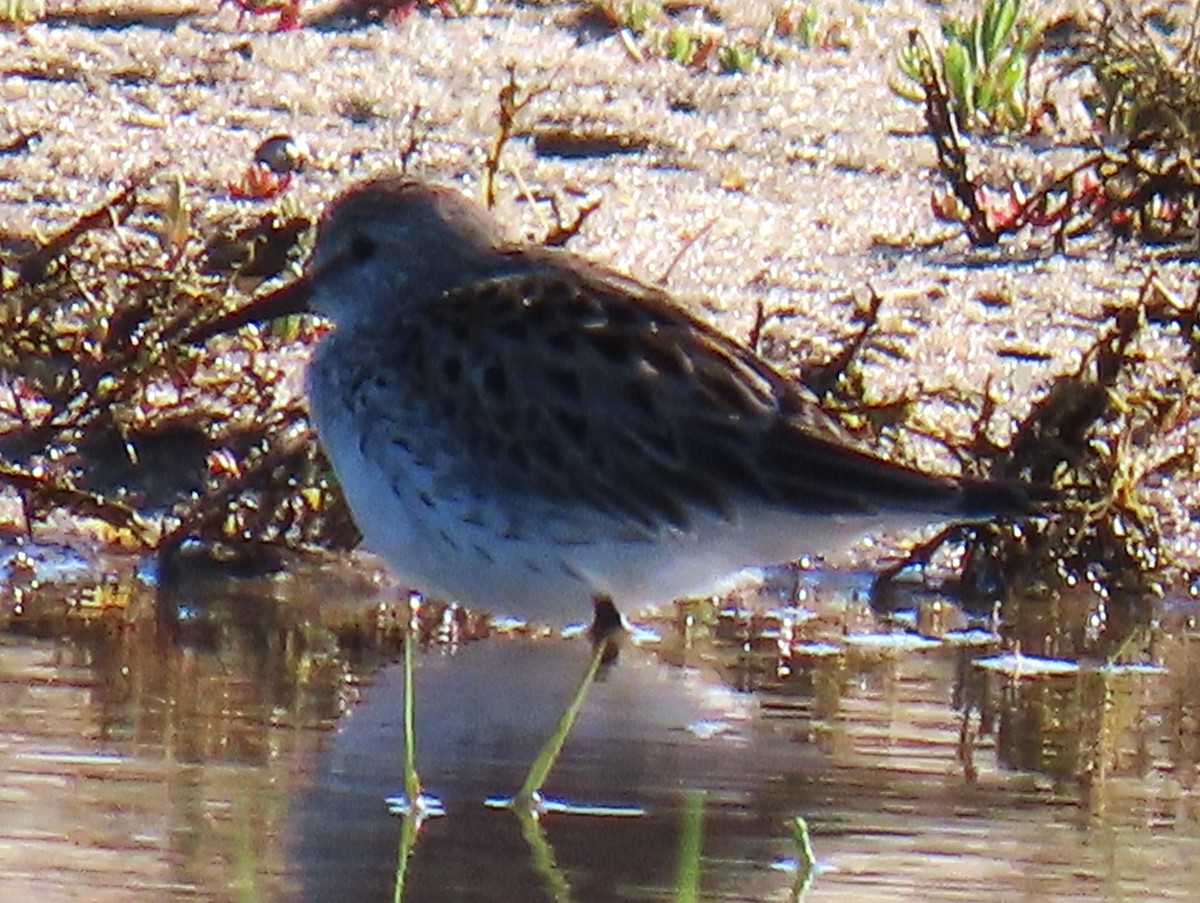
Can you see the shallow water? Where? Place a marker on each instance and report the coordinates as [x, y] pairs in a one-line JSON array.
[[232, 748]]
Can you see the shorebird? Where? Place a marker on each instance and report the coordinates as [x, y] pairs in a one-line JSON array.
[[519, 428]]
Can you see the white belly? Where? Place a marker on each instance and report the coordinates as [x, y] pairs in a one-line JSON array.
[[447, 533], [447, 550]]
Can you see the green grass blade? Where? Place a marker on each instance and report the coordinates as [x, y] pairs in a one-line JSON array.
[[691, 841]]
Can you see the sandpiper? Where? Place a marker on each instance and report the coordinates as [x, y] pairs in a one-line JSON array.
[[521, 429]]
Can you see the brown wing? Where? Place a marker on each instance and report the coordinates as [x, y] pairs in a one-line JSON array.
[[573, 386]]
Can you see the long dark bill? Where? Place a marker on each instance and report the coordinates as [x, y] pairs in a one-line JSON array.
[[290, 299]]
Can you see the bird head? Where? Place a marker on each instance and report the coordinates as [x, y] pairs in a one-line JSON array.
[[382, 245]]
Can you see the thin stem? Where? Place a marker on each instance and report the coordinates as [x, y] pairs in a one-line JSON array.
[[691, 843], [806, 862], [542, 765], [557, 887], [412, 782], [408, 839]]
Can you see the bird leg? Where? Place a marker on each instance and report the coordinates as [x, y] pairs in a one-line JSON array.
[[605, 631], [606, 628]]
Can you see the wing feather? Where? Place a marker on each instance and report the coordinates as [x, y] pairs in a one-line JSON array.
[[569, 388]]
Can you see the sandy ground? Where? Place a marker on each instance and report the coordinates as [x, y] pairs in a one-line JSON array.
[[801, 186]]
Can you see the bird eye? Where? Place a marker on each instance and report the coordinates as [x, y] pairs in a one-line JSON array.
[[362, 247]]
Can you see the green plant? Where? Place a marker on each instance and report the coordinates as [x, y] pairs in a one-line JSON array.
[[634, 16], [806, 26], [736, 57], [691, 845], [1146, 79], [681, 44], [984, 65], [800, 24]]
